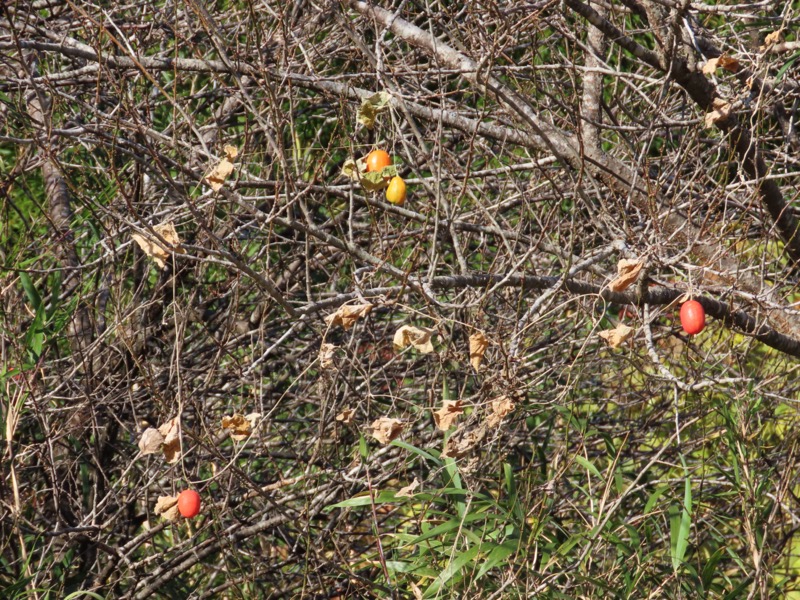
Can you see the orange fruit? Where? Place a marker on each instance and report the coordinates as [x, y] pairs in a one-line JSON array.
[[189, 503], [377, 160]]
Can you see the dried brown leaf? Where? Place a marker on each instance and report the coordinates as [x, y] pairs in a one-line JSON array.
[[326, 352], [627, 273], [721, 111], [172, 440], [167, 508], [418, 337], [386, 429], [346, 415], [478, 343], [616, 337], [408, 491], [347, 315], [154, 249], [240, 426], [461, 442], [446, 416], [771, 39], [721, 62], [151, 441], [216, 178], [501, 407]]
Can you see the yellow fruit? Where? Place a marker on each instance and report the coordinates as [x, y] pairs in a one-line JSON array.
[[396, 192]]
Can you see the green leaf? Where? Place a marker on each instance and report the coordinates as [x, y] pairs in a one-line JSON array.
[[447, 527], [786, 66], [371, 107], [588, 466], [680, 526], [452, 569], [364, 499], [30, 290], [419, 452]]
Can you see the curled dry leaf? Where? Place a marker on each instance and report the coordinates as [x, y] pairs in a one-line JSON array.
[[386, 429], [346, 415], [326, 351], [167, 508], [371, 107], [721, 111], [616, 337], [419, 337], [216, 178], [771, 39], [172, 440], [477, 348], [347, 315], [627, 273], [446, 416], [721, 62], [462, 441], [408, 491], [352, 169], [154, 248], [240, 426], [151, 441], [501, 407]]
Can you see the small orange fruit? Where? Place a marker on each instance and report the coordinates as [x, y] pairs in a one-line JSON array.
[[396, 192], [377, 160], [189, 503]]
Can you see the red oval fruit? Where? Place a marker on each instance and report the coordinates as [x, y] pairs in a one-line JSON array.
[[189, 503], [377, 160], [693, 317]]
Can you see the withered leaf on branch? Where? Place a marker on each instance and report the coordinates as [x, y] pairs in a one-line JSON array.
[[721, 111], [167, 508], [771, 39], [386, 429], [347, 315], [478, 343], [154, 249], [172, 440], [501, 407], [721, 62], [346, 416], [326, 352], [216, 178], [151, 441], [462, 441], [371, 107], [408, 491], [418, 337], [446, 416], [240, 426], [616, 337], [627, 273]]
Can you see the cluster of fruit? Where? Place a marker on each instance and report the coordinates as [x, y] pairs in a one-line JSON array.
[[377, 160]]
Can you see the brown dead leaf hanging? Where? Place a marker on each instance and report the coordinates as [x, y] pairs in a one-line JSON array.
[[326, 352], [616, 337], [627, 273], [462, 441], [721, 111], [346, 416], [167, 508], [347, 315], [386, 429], [151, 441], [240, 426], [154, 248], [418, 337], [446, 416], [216, 178], [171, 431], [501, 407], [721, 62], [477, 348]]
